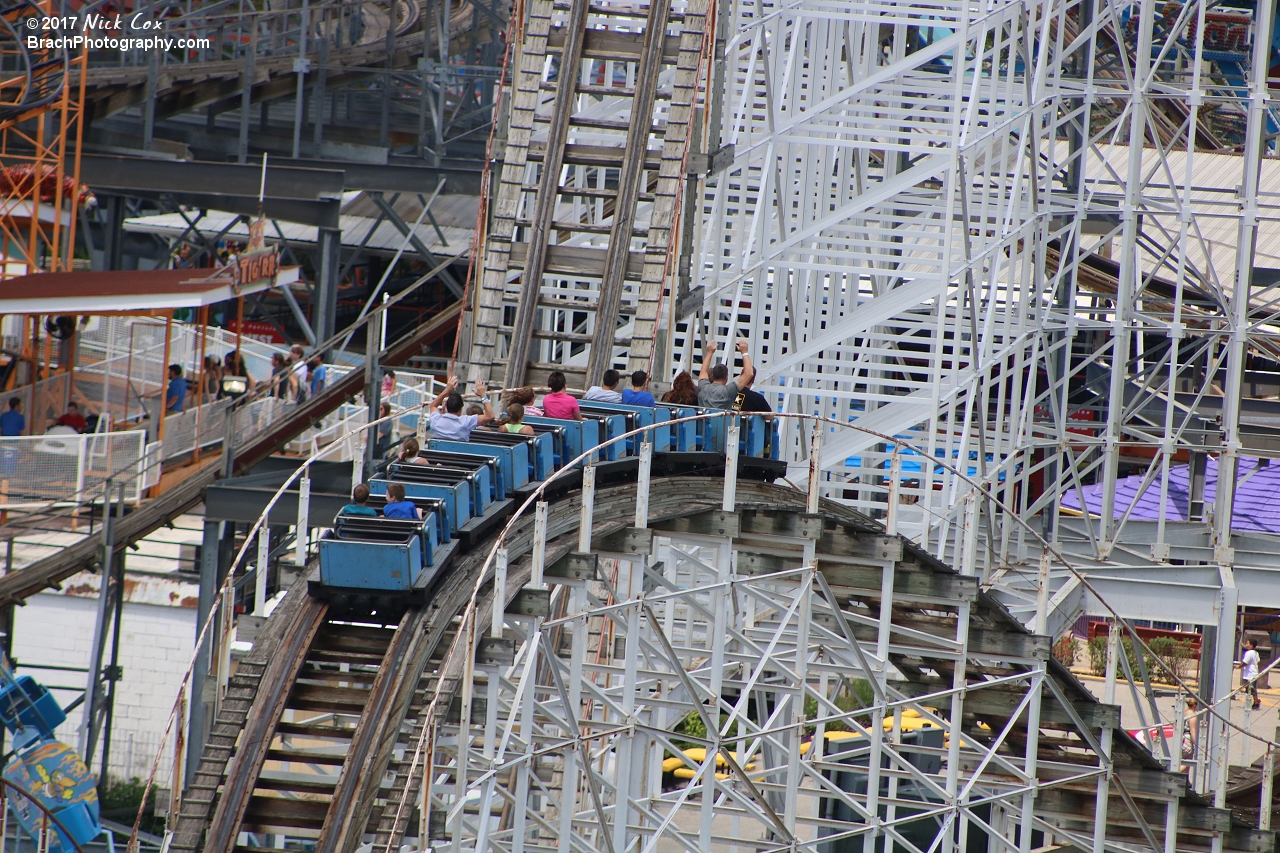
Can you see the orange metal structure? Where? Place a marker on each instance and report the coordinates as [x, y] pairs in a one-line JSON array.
[[41, 123]]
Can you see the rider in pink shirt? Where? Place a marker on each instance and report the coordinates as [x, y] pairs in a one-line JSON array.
[[558, 404]]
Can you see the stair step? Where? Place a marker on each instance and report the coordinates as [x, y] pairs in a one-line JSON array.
[[306, 756], [278, 812], [320, 786], [315, 730]]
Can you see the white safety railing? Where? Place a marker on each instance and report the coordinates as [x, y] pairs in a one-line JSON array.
[[407, 396], [37, 470], [195, 428], [258, 414]]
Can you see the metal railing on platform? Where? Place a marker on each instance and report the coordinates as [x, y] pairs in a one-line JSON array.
[[70, 470]]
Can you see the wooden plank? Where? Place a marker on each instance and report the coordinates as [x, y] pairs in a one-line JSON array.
[[573, 567], [1140, 781], [576, 261], [712, 522], [600, 156], [530, 603], [613, 44], [1060, 801], [983, 642], [790, 523], [630, 541]]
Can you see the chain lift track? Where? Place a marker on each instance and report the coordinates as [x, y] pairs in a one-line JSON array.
[[601, 115]]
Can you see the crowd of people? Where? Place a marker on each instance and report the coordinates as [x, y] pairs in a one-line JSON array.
[[295, 377], [454, 417]]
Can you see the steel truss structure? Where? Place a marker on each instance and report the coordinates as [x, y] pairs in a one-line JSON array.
[[1031, 240], [1018, 244], [644, 620], [977, 228], [41, 123]]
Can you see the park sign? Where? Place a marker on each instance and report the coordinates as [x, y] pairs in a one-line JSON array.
[[255, 268]]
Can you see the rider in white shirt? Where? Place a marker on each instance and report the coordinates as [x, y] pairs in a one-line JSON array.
[[1249, 672]]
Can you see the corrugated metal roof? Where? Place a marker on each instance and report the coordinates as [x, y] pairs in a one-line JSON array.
[[385, 240], [1214, 226]]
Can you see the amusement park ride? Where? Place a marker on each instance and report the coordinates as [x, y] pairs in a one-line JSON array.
[[45, 784]]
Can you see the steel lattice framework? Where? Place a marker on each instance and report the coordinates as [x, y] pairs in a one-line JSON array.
[[975, 226], [1033, 240], [645, 620], [1017, 245]]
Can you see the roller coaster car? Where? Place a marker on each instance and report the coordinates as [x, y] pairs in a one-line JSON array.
[[374, 557]]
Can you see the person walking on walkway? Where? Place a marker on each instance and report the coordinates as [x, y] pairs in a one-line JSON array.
[[1249, 672]]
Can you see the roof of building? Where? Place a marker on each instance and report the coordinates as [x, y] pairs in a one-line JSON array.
[[1256, 508], [122, 291], [360, 223]]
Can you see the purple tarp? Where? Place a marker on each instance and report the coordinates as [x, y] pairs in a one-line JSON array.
[[1257, 505]]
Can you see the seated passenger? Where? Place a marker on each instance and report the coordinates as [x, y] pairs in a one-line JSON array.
[[754, 401], [525, 397], [450, 423], [638, 394], [514, 421], [683, 392], [360, 494], [607, 393], [475, 409], [409, 450], [715, 390], [74, 419], [558, 404], [397, 506]]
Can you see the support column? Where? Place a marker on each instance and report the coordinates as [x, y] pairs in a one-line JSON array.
[[372, 385], [112, 673], [201, 716], [317, 99], [324, 307], [1223, 656], [113, 236], [246, 95], [93, 685]]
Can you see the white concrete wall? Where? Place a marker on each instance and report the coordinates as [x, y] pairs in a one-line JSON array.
[[155, 650]]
